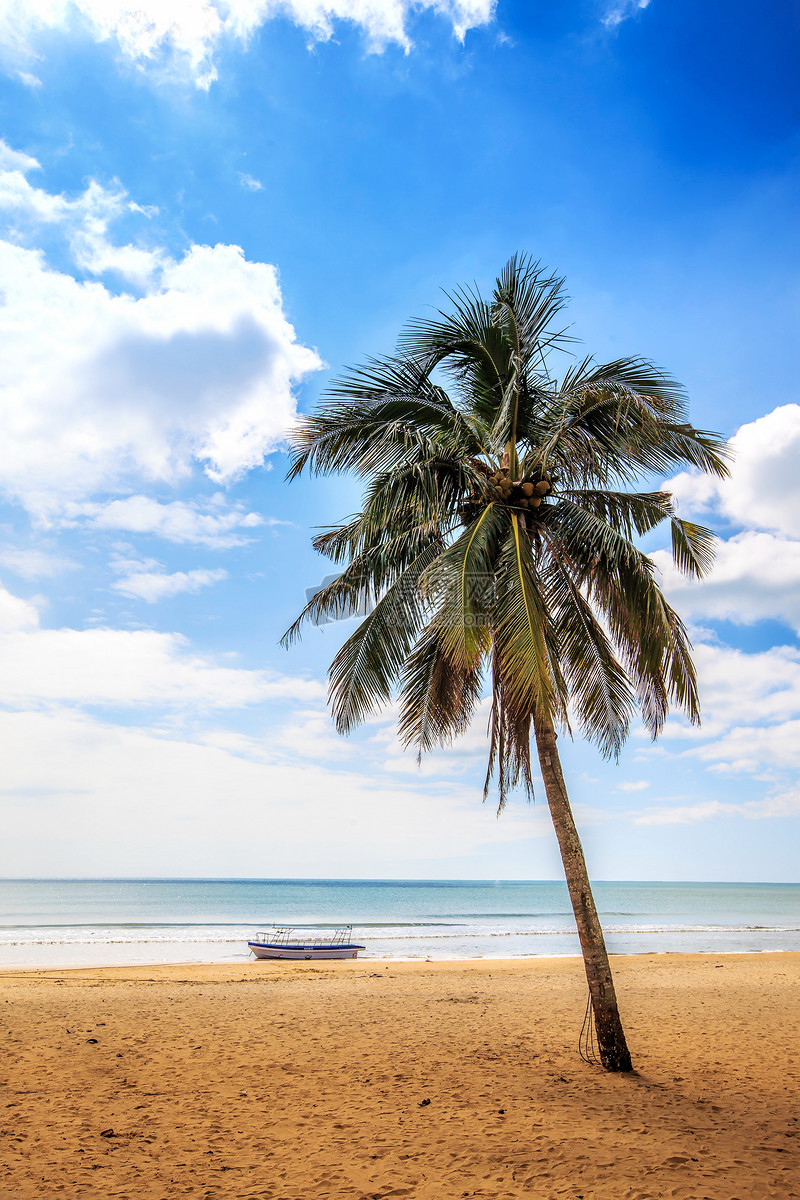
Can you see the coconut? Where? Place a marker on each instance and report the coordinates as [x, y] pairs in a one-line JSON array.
[[523, 503], [543, 487], [535, 502], [527, 489]]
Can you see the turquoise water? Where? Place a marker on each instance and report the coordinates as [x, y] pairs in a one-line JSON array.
[[82, 922]]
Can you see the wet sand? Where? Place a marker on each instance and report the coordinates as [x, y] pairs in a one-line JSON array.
[[372, 1079]]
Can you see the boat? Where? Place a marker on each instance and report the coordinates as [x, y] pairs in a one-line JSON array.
[[297, 941]]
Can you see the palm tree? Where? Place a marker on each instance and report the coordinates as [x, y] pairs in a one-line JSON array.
[[497, 543]]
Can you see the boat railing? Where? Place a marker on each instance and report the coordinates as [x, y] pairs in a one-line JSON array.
[[306, 936]]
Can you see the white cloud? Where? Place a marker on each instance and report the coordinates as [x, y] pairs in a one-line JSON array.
[[756, 576], [15, 613], [31, 81], [751, 727], [252, 185], [160, 585], [755, 749], [16, 160], [85, 797], [124, 668], [750, 706], [215, 524], [634, 785], [215, 801], [100, 391], [83, 220], [311, 734], [763, 489], [620, 12], [185, 34], [739, 688], [783, 804], [35, 564]]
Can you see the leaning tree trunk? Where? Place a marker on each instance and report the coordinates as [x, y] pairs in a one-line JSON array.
[[614, 1054]]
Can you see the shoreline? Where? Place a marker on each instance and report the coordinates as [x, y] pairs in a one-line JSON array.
[[249, 960], [370, 1078]]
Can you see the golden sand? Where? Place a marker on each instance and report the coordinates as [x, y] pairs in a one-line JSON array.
[[371, 1079]]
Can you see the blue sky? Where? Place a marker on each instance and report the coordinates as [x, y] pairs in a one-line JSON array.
[[207, 210]]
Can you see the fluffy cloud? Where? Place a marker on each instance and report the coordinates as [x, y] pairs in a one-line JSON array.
[[620, 12], [186, 33], [100, 390], [16, 160], [763, 489], [751, 726], [214, 523], [84, 220], [162, 585], [750, 730], [82, 797], [784, 804], [35, 564], [739, 688], [756, 575], [15, 613], [767, 750], [124, 668]]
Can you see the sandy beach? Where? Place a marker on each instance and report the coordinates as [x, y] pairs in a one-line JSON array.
[[371, 1079]]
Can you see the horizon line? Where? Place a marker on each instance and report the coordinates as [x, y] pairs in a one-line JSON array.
[[364, 879]]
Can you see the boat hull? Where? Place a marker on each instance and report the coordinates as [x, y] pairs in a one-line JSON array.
[[262, 950]]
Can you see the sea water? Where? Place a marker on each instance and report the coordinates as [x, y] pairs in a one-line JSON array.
[[106, 921]]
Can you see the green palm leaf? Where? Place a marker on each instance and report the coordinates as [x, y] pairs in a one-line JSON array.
[[438, 695], [367, 666], [556, 596]]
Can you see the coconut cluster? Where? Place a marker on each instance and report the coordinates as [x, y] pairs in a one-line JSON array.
[[521, 493], [527, 493]]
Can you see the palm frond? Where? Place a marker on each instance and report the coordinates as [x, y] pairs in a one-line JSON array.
[[621, 419], [526, 301], [525, 652], [600, 692], [411, 502], [376, 417], [628, 513], [461, 584], [692, 547], [438, 695], [365, 669]]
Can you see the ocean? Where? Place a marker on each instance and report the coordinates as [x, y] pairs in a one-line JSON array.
[[111, 921]]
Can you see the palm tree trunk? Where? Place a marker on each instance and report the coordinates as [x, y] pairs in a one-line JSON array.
[[614, 1054]]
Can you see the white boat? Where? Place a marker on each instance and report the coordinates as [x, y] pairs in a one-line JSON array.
[[297, 941]]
